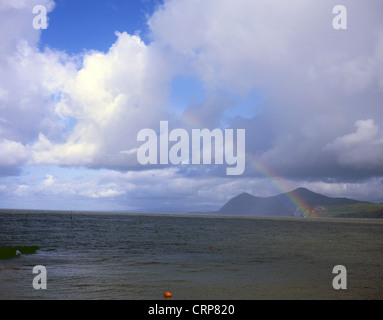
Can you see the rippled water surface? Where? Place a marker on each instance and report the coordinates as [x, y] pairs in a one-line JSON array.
[[94, 256]]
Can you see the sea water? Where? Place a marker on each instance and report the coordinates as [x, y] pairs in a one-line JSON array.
[[126, 256]]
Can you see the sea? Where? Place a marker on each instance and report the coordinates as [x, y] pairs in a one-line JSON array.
[[114, 256]]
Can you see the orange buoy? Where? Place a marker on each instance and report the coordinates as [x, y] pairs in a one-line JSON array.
[[211, 247], [168, 294]]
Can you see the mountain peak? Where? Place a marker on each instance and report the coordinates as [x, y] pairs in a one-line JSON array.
[[301, 190], [245, 195], [282, 205]]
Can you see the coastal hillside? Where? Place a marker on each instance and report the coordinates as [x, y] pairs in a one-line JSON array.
[[300, 202]]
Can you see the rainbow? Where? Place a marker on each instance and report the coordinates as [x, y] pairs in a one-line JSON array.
[[278, 184], [191, 120]]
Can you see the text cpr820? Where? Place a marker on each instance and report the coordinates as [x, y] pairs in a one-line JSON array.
[[208, 309]]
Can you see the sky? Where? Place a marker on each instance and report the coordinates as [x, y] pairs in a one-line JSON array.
[[74, 96]]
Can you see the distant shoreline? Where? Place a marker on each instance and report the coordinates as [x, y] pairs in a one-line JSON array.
[[188, 215]]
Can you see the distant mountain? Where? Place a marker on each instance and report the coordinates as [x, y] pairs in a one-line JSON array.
[[300, 202]]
